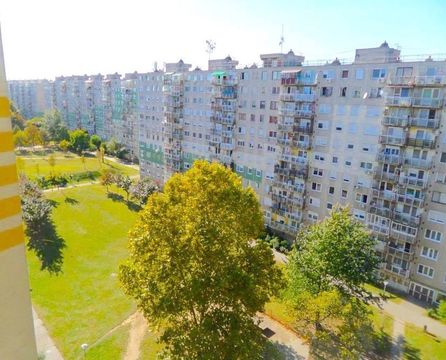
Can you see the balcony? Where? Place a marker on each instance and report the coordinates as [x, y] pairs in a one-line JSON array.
[[296, 97], [282, 141], [305, 145], [392, 140], [395, 121], [300, 173], [227, 146], [425, 164], [287, 201], [282, 227], [401, 80], [299, 81], [227, 133], [383, 175], [380, 210], [427, 102], [407, 219], [224, 81], [402, 236], [410, 200], [410, 180], [285, 127], [285, 185], [398, 101], [423, 143], [397, 270], [286, 213], [304, 113], [378, 229], [294, 159], [434, 80], [425, 123], [384, 194], [389, 159]]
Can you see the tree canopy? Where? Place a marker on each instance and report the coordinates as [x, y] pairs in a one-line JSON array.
[[79, 140], [194, 269], [54, 126]]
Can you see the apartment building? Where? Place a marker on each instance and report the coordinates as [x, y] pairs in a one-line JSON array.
[[32, 97], [16, 323], [306, 137]]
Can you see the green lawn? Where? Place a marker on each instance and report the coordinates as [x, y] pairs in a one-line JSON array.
[[112, 347], [85, 301], [34, 165], [150, 347], [387, 295], [419, 345]]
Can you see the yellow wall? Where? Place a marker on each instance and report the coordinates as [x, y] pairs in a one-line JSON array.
[[17, 340]]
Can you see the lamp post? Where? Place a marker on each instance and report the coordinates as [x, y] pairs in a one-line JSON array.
[[385, 282], [84, 347]]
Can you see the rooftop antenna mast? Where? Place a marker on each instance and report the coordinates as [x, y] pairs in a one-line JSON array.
[[210, 47], [282, 40]]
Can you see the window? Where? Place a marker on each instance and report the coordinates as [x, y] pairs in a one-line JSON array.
[[328, 74], [350, 146], [262, 104], [329, 206], [242, 116], [356, 93], [429, 253], [331, 190], [318, 172], [275, 90], [244, 76], [272, 134], [438, 217], [348, 163], [344, 74], [359, 74], [273, 119], [439, 197], [334, 160], [443, 157], [362, 198], [273, 105], [343, 92], [319, 157], [339, 128], [316, 187], [326, 91], [344, 194], [276, 75], [366, 165], [315, 202], [264, 75], [433, 235], [378, 73], [425, 270]]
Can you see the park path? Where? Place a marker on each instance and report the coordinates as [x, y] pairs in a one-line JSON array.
[[45, 345], [138, 327], [286, 341], [398, 340]]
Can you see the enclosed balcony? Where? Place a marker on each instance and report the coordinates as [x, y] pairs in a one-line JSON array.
[[389, 159], [407, 219], [384, 175], [398, 101], [384, 194], [287, 201], [413, 181], [427, 102], [423, 143], [393, 139], [380, 210], [395, 121], [425, 164], [401, 80], [304, 145], [430, 80], [424, 123]]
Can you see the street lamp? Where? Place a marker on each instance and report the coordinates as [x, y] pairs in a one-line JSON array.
[[385, 282], [84, 347]]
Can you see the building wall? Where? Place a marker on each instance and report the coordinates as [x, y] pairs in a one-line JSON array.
[[16, 326]]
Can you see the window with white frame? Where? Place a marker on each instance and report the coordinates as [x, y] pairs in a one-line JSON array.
[[316, 186], [429, 253], [425, 270], [318, 172], [378, 73], [433, 235]]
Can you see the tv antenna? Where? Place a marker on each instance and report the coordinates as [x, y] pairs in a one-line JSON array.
[[282, 40], [210, 47]]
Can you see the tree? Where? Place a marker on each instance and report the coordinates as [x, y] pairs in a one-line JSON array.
[[54, 126], [64, 145], [83, 161], [20, 138], [107, 178], [194, 268], [17, 119], [329, 265], [124, 183], [79, 140], [33, 135], [52, 161], [95, 141], [142, 189]]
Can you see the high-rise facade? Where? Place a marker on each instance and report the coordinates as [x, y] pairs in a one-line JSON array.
[[16, 324], [368, 134]]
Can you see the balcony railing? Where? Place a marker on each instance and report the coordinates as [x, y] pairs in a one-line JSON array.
[[296, 97], [383, 175], [425, 164], [380, 210], [397, 235], [424, 123], [423, 143], [407, 219], [392, 140], [294, 159], [410, 180], [398, 101], [401, 80], [384, 194], [390, 159], [287, 201], [305, 145], [395, 121], [427, 102], [287, 186], [410, 200], [397, 270], [300, 173], [433, 80]]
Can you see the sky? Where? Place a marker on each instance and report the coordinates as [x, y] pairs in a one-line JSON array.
[[48, 38]]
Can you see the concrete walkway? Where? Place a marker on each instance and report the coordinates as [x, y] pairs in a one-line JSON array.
[[292, 346], [45, 345], [407, 312], [398, 340]]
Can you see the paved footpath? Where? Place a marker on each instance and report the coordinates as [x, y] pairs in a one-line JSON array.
[[292, 346], [398, 340], [45, 344]]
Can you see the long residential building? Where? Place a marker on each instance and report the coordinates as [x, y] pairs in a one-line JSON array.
[[368, 134]]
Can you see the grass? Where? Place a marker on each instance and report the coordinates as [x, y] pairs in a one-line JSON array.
[[420, 345], [387, 295], [85, 301], [383, 331], [111, 347], [150, 347], [279, 311], [34, 165]]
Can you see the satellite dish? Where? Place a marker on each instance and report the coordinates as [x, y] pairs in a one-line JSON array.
[[365, 96]]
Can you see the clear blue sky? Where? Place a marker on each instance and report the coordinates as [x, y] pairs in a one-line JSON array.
[[45, 38]]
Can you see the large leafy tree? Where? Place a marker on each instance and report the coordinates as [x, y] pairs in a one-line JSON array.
[[33, 135], [194, 269], [79, 140], [329, 265], [54, 126]]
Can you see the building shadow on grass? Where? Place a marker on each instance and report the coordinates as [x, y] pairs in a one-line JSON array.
[[48, 247], [410, 352], [119, 198]]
